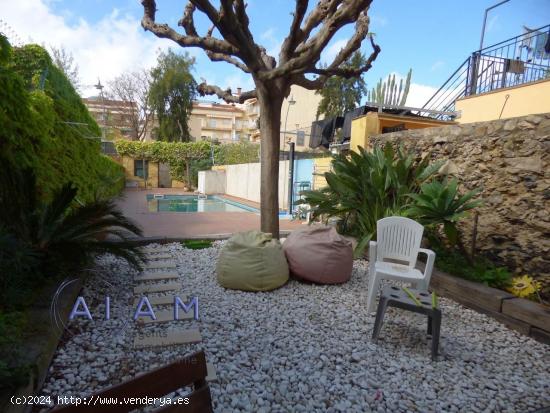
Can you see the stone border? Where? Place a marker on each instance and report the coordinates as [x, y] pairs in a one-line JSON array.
[[528, 317], [209, 237]]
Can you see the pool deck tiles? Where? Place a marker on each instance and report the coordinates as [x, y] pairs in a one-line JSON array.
[[183, 225]]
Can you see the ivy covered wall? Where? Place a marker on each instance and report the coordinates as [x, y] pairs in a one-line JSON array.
[[197, 154], [46, 127]]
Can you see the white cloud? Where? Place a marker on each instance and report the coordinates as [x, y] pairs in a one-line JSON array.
[[437, 65], [377, 21], [269, 34], [332, 50], [418, 93], [492, 23], [115, 44]]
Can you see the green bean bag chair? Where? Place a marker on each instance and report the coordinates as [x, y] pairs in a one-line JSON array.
[[252, 261]]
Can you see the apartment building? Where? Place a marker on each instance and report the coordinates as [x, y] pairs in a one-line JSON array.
[[299, 110], [229, 123], [218, 122], [112, 115]]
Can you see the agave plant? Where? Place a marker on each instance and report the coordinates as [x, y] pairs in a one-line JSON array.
[[439, 202], [63, 234], [366, 187]]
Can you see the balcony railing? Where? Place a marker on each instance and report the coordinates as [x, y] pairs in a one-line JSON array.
[[521, 59]]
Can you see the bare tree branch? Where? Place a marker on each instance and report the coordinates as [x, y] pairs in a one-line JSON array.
[[220, 57], [187, 21], [226, 94], [318, 14], [164, 31], [335, 68], [295, 34], [332, 15], [133, 88]]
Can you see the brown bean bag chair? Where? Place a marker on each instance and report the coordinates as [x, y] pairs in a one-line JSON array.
[[319, 254]]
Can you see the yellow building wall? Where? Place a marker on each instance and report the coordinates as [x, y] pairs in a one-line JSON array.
[[152, 173], [373, 123], [522, 100], [320, 166]]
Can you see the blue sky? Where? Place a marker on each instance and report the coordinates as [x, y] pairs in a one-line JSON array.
[[430, 36]]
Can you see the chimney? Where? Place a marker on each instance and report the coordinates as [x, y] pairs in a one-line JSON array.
[[239, 91]]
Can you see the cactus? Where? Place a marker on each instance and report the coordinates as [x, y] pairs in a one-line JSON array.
[[389, 93]]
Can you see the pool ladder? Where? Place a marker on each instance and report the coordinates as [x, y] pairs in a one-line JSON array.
[[200, 195]]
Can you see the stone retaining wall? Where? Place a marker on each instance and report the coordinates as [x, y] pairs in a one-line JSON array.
[[509, 160]]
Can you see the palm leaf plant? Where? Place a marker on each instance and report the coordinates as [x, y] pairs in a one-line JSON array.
[[439, 202], [367, 186], [64, 235]]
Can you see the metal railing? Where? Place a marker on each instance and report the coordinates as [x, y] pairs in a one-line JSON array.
[[521, 59]]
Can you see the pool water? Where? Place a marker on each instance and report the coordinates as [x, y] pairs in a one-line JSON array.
[[191, 203]]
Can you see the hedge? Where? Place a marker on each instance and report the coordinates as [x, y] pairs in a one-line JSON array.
[[46, 127], [179, 154]]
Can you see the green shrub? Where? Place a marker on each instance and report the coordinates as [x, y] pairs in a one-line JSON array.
[[197, 244], [46, 127], [61, 234], [366, 187], [13, 373], [455, 263], [439, 202]]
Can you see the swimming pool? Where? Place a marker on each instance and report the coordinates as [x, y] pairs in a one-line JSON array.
[[191, 203]]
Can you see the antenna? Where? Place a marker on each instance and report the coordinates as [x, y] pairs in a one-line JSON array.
[[100, 87]]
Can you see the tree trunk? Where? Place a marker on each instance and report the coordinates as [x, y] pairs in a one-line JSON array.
[[271, 101]]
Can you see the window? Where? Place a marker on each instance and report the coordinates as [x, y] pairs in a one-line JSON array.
[[212, 123], [138, 168], [300, 138], [226, 122]]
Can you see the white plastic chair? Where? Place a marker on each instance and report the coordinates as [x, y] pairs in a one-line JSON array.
[[393, 256]]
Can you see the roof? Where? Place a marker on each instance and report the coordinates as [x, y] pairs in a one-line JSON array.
[[221, 107]]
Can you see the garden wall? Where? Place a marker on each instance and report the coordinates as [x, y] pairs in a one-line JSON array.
[[509, 160]]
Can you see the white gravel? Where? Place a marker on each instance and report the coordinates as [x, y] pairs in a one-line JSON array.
[[307, 348]]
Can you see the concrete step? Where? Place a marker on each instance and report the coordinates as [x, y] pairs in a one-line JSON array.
[[164, 316], [157, 288], [162, 299], [160, 256], [154, 250], [211, 372], [157, 265], [167, 338], [151, 276]]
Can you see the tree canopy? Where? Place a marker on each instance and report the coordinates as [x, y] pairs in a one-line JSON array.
[[340, 95], [171, 95]]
